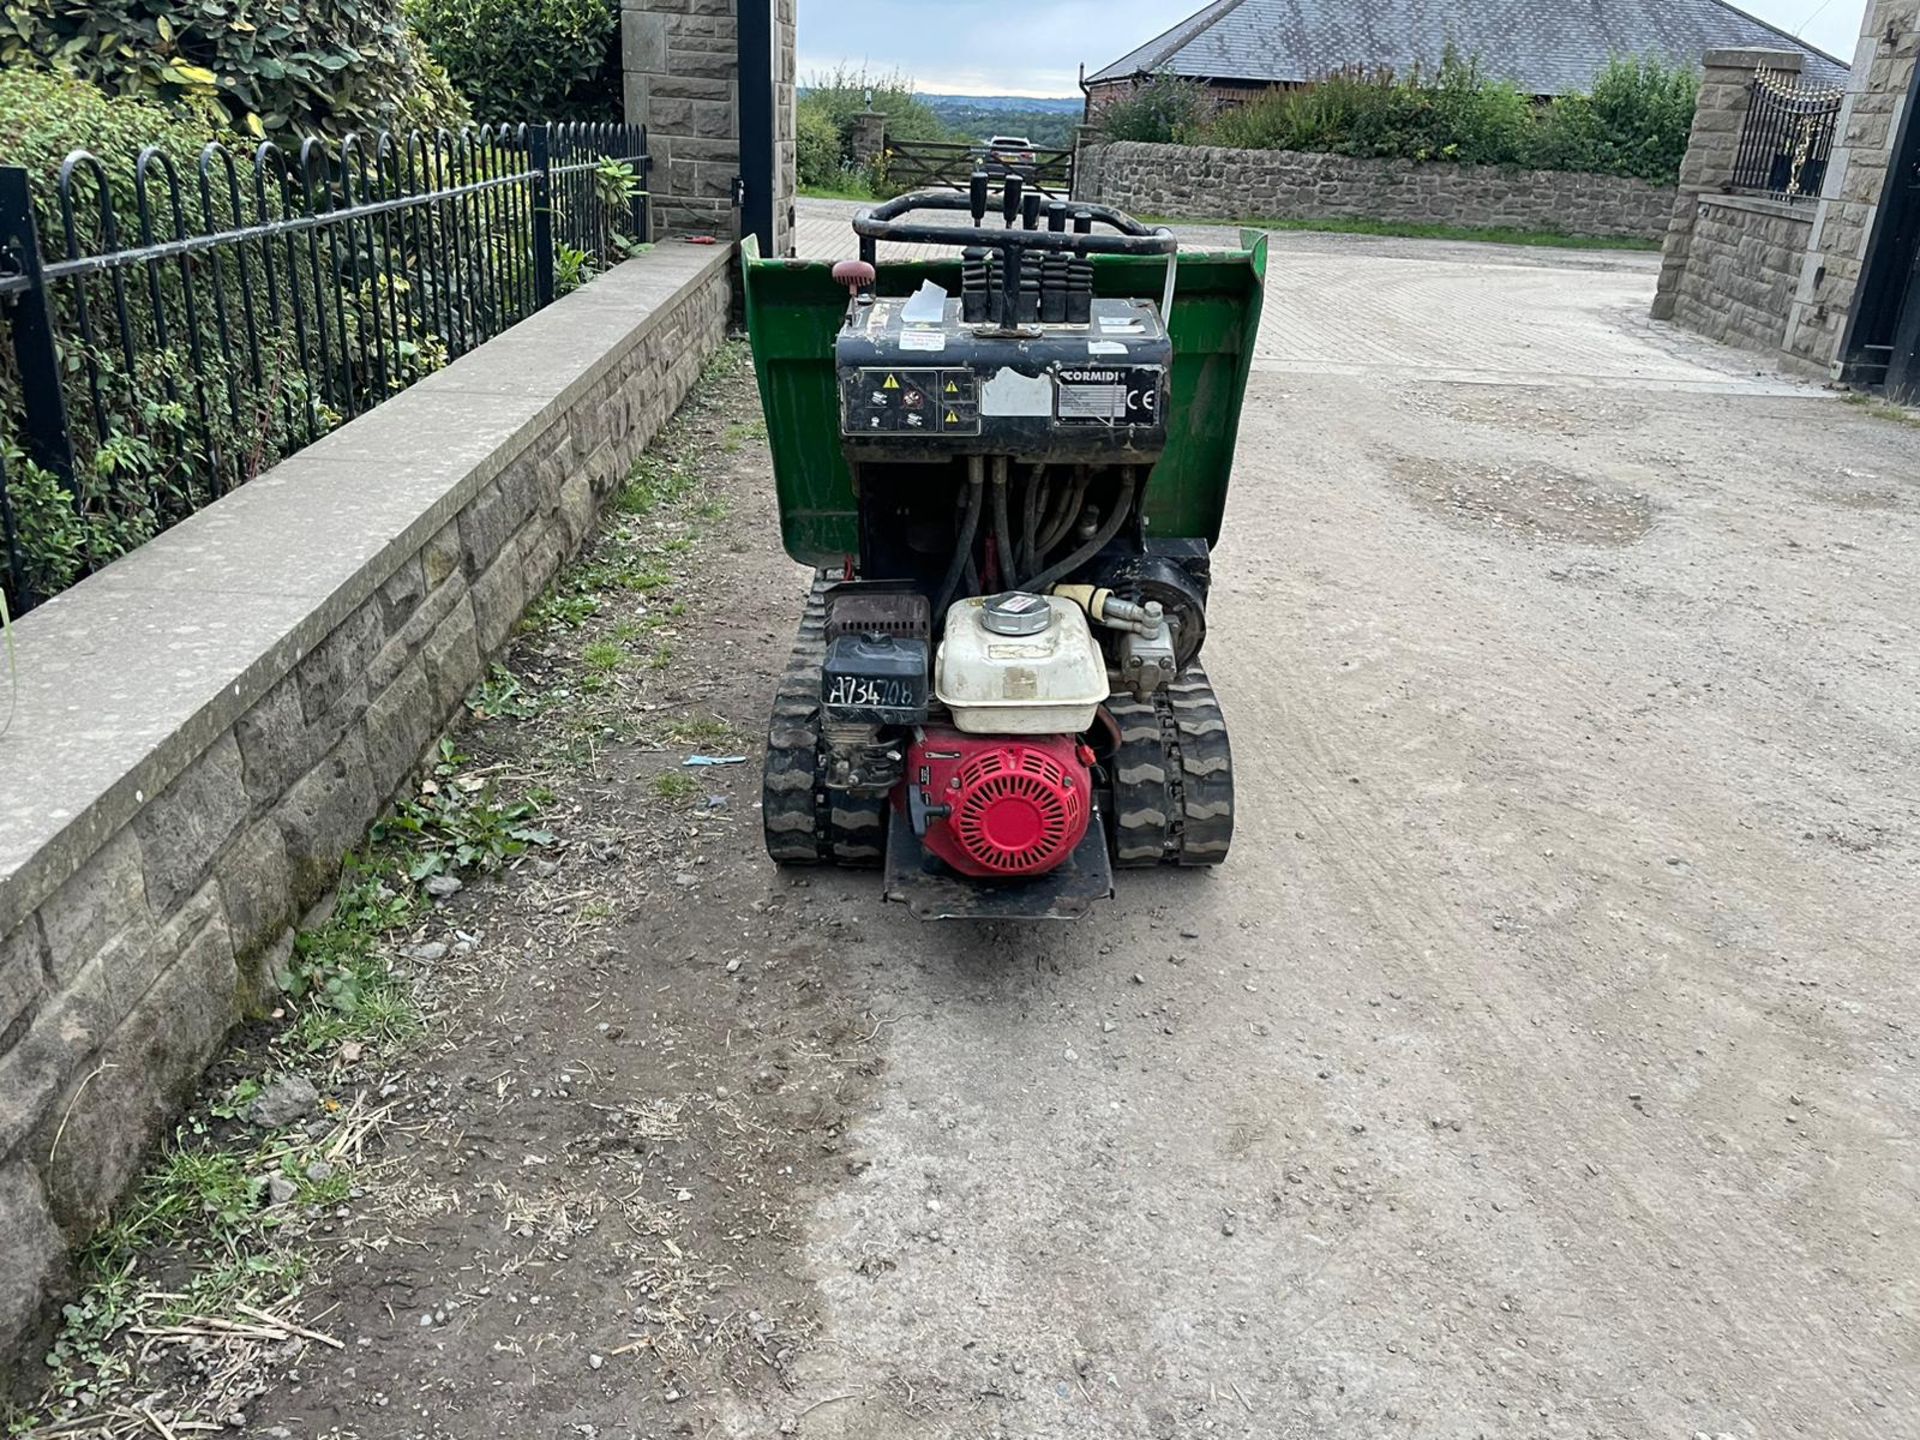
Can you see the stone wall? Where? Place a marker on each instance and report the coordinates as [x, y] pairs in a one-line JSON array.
[[1814, 322], [207, 724], [1878, 93], [681, 65], [1725, 96], [1207, 183], [1739, 282]]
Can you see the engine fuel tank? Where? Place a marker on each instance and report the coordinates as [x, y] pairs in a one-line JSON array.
[[997, 680]]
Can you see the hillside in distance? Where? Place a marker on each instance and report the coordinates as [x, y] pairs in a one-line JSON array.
[[1048, 123]]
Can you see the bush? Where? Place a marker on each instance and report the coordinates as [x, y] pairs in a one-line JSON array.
[[527, 59], [827, 108], [1635, 122], [1457, 115], [821, 163], [146, 453], [1164, 110], [219, 379], [433, 104], [313, 67]]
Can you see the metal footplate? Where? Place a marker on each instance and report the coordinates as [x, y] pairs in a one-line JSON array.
[[1172, 777], [933, 892]]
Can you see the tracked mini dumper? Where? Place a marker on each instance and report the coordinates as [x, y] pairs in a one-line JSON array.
[[1008, 471]]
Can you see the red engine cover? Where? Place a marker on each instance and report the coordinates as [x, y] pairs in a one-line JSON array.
[[1016, 805]]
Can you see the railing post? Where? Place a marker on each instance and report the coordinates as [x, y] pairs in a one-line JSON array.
[[48, 437], [642, 211], [19, 592], [539, 143]]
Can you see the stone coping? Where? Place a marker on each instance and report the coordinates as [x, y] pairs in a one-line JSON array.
[[1765, 204], [127, 677]]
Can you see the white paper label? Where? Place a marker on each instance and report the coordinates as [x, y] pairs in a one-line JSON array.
[[1011, 393]]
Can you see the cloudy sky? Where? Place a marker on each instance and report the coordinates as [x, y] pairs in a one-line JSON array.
[[1036, 47]]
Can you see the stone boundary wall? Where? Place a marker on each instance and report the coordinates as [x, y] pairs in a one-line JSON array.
[[1207, 183], [1743, 267], [207, 724]]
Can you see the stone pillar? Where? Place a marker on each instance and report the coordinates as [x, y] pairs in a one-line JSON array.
[[786, 122], [681, 64], [1711, 148], [869, 137], [1878, 93]]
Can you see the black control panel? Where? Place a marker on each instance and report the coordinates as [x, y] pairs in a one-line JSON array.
[[1091, 390]]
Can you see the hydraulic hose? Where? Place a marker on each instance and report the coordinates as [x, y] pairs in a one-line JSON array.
[[1024, 558], [969, 527], [1069, 511], [1040, 583], [1002, 525]]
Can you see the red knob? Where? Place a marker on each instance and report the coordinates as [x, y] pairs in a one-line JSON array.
[[856, 275]]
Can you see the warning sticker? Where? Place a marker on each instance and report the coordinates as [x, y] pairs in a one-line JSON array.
[[1111, 395]]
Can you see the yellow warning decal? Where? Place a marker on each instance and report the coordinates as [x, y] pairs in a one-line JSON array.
[[952, 389], [952, 419], [893, 383]]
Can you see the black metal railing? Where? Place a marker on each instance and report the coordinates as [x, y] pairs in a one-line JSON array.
[[1787, 137], [171, 330]]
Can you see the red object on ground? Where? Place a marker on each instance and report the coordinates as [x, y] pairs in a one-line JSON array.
[[1016, 805]]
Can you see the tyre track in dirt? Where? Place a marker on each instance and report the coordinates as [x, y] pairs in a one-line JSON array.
[[1541, 1064]]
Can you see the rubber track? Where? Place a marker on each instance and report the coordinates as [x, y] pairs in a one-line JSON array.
[[1172, 777], [805, 823]]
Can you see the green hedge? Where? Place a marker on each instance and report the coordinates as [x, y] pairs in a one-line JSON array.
[[280, 69], [359, 315], [527, 59], [153, 460], [827, 107], [1635, 122]]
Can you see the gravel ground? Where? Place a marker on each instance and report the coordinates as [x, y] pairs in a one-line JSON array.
[[1543, 1063]]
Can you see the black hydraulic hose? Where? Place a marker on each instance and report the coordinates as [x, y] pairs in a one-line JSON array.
[[1053, 574], [962, 560], [1024, 558], [1002, 526], [1058, 528]]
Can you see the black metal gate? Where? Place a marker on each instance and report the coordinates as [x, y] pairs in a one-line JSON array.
[[949, 165], [1883, 345]]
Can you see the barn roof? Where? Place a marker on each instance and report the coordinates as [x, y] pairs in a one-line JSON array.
[[1545, 47]]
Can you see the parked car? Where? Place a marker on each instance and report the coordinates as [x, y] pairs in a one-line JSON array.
[[1005, 153]]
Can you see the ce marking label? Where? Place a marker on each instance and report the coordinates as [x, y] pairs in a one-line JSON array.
[[1111, 395]]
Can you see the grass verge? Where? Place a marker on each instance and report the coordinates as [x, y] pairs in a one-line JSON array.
[[831, 192], [1489, 235], [1881, 409]]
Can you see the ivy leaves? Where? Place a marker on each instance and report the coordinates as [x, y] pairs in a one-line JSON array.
[[274, 69]]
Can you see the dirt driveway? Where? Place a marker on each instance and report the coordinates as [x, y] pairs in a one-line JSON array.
[[1543, 1064]]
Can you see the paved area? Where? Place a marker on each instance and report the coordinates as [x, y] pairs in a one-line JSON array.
[[822, 232], [1400, 310], [1543, 1063]]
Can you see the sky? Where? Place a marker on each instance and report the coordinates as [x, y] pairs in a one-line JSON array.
[[1036, 47]]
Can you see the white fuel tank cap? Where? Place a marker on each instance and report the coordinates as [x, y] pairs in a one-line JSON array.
[[1016, 613]]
